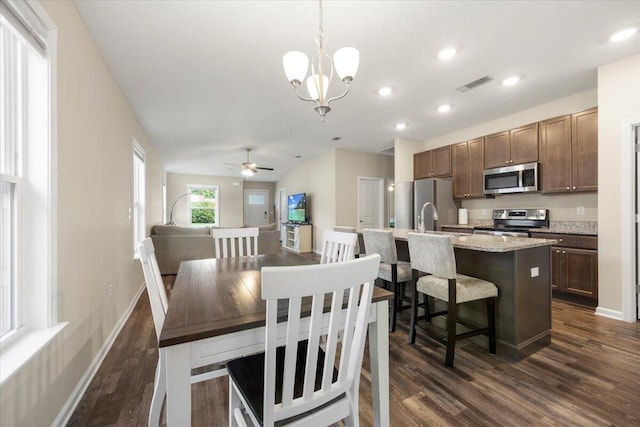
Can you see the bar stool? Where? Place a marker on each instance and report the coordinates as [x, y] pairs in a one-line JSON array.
[[391, 270], [433, 254]]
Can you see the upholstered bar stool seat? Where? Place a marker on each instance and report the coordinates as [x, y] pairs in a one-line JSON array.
[[433, 254], [404, 271], [467, 288], [392, 272]]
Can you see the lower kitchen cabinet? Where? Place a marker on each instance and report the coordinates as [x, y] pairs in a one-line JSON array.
[[574, 267]]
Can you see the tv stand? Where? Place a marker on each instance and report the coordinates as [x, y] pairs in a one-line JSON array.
[[297, 237]]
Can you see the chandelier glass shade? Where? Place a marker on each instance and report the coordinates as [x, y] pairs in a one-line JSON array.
[[345, 61]]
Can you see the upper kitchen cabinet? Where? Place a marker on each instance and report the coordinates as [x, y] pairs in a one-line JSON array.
[[468, 165], [511, 147], [432, 163], [569, 152]]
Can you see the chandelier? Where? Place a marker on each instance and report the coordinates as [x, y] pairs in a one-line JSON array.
[[296, 63]]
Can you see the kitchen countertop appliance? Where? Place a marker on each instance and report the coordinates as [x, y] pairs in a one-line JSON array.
[[515, 222]]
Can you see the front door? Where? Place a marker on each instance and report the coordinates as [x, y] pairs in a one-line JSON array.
[[256, 207], [370, 203]]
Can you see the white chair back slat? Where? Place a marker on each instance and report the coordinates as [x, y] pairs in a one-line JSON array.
[[232, 242], [332, 339], [153, 281], [294, 283], [291, 351], [337, 246], [313, 347]]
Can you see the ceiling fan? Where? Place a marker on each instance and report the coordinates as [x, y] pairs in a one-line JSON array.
[[248, 168]]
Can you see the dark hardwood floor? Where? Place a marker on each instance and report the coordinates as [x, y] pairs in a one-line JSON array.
[[589, 376]]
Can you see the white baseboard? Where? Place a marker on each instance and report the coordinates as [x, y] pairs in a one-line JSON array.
[[612, 314], [70, 406]]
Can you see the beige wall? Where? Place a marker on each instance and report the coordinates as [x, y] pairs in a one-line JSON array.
[[619, 100], [562, 207], [331, 183], [349, 166], [230, 193], [271, 187], [317, 178], [95, 126]]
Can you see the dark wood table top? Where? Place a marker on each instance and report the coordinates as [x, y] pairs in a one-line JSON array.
[[213, 297]]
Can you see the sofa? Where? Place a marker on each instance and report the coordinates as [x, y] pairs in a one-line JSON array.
[[174, 244]]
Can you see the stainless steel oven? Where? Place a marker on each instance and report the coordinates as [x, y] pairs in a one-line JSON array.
[[515, 222], [511, 179]]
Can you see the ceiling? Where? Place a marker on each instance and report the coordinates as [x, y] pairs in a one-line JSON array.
[[205, 78]]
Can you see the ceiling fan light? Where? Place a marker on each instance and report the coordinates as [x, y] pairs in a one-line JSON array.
[[295, 66], [313, 85], [346, 61], [247, 172]]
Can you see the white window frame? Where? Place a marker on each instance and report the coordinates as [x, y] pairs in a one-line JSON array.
[[138, 223], [216, 210], [36, 203]]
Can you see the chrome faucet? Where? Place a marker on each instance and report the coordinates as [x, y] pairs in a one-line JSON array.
[[421, 217]]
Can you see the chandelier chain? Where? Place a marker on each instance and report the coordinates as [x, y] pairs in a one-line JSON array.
[[320, 29]]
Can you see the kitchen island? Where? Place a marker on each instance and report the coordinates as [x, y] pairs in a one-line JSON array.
[[520, 268]]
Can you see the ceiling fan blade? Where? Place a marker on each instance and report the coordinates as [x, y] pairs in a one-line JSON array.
[[232, 164], [264, 169]]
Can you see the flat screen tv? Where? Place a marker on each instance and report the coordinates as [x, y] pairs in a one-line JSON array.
[[297, 208]]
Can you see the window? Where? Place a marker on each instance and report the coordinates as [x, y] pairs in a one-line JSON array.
[[204, 209], [139, 226], [27, 55]]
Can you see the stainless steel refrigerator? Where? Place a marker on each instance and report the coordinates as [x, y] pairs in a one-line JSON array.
[[411, 196]]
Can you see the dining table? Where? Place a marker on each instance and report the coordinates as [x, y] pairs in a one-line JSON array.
[[216, 313]]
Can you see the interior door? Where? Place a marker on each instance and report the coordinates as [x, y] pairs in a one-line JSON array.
[[256, 207], [370, 203]]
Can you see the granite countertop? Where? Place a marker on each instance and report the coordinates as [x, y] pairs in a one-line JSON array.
[[484, 242], [556, 227]]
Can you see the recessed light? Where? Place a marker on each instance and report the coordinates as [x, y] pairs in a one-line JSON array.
[[510, 81], [447, 53], [385, 91], [401, 126], [444, 108], [623, 34]]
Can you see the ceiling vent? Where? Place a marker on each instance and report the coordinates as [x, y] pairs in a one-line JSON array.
[[474, 84]]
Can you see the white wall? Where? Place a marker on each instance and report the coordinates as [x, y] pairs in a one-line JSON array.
[[619, 100], [95, 126], [403, 150], [231, 196]]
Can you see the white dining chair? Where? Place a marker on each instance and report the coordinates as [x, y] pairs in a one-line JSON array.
[[357, 252], [433, 254], [298, 383], [337, 246], [232, 242], [159, 305]]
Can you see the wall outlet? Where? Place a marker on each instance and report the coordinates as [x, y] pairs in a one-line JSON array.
[[580, 210], [110, 291], [535, 272]]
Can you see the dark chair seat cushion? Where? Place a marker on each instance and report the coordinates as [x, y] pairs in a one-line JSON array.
[[248, 375]]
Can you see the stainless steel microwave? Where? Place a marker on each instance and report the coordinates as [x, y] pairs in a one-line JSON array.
[[511, 179]]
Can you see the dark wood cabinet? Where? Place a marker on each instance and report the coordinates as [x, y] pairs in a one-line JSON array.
[[511, 147], [468, 165], [432, 163], [574, 267], [584, 150], [569, 152]]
